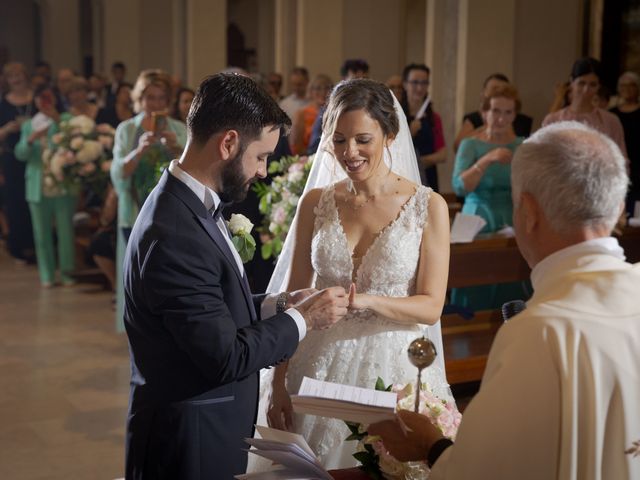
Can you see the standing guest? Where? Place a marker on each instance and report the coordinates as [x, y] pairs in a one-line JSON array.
[[472, 121], [122, 109], [303, 121], [561, 96], [585, 81], [63, 81], [482, 175], [274, 85], [78, 97], [103, 243], [47, 202], [560, 394], [426, 130], [602, 97], [184, 97], [140, 143], [98, 89], [394, 83], [197, 336], [628, 111], [37, 81], [43, 69], [298, 82], [118, 75], [15, 108]]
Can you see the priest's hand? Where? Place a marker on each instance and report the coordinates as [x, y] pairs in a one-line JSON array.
[[408, 437], [324, 308]]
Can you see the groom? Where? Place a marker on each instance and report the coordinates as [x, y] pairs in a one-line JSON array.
[[197, 335]]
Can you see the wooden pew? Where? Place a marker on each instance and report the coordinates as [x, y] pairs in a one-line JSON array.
[[488, 260]]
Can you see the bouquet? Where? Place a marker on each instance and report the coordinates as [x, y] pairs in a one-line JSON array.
[[279, 200], [79, 155], [376, 461]]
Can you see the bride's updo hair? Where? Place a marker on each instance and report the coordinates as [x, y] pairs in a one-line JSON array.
[[360, 94]]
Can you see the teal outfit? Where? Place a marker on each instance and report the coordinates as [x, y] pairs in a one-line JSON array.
[[44, 208], [491, 200], [132, 190]]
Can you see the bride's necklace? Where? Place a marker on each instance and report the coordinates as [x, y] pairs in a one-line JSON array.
[[352, 201]]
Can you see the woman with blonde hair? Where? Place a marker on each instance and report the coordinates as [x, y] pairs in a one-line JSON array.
[[141, 143], [303, 120]]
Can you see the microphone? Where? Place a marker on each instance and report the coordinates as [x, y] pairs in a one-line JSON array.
[[512, 308]]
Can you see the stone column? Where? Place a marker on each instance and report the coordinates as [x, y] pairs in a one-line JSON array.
[[206, 38], [285, 39]]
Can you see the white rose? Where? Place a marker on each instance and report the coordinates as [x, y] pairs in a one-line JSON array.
[[239, 224], [76, 143], [91, 151], [82, 123], [57, 138], [295, 176], [293, 200], [58, 161], [48, 181]]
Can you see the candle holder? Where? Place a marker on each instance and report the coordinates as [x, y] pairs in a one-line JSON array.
[[422, 353]]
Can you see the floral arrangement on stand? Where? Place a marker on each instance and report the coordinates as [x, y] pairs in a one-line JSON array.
[[279, 200], [79, 155], [374, 458]]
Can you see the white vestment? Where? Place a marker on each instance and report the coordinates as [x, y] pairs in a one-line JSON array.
[[560, 397]]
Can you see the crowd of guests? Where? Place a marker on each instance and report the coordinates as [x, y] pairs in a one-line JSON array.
[[150, 117]]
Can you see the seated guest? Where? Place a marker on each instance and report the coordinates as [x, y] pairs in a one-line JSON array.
[[182, 103], [472, 121], [103, 243], [48, 203], [426, 131], [560, 394], [482, 175], [585, 80], [298, 82], [628, 111], [304, 119], [121, 109]]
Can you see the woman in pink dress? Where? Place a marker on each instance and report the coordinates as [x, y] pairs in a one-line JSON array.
[[585, 80]]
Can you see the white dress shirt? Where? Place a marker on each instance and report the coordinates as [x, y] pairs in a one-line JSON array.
[[211, 200]]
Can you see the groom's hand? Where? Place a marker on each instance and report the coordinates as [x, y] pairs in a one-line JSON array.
[[324, 308], [299, 295]]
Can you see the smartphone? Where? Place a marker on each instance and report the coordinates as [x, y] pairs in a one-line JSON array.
[[159, 122]]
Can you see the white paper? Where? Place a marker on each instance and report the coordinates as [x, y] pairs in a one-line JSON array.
[[281, 436], [40, 122], [466, 227], [262, 444], [294, 463], [280, 474], [423, 109], [347, 393]]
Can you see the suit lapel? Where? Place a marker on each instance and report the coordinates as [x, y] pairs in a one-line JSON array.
[[176, 187]]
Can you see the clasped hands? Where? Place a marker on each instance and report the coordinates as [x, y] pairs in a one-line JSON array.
[[322, 308]]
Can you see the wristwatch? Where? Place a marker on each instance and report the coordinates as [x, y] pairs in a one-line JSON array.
[[436, 450], [282, 302]]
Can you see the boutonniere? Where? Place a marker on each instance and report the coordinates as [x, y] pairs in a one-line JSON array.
[[245, 244]]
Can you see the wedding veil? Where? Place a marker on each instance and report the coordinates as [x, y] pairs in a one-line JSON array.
[[401, 157]]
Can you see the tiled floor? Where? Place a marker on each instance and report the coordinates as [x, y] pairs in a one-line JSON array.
[[64, 376]]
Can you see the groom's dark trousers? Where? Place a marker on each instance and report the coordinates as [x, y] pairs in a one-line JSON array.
[[196, 342]]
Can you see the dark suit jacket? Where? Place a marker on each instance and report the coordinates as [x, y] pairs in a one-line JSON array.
[[196, 343]]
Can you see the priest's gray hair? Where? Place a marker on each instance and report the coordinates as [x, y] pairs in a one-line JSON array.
[[577, 174]]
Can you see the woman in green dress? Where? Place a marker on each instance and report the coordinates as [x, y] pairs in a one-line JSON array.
[[482, 175], [142, 145]]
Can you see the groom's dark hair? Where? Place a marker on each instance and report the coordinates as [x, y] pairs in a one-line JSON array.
[[228, 101]]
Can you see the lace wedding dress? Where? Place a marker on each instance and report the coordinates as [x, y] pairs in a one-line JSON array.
[[364, 345]]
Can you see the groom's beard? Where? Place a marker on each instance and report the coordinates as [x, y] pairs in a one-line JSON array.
[[235, 185]]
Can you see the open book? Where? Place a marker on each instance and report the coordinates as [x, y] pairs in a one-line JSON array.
[[291, 451], [352, 404], [465, 227]]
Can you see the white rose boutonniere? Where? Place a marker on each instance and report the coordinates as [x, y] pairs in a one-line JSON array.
[[245, 244]]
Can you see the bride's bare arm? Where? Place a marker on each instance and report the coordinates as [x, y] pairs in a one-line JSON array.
[[279, 414], [431, 281]]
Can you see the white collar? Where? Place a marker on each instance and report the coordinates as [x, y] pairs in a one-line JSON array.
[[602, 245], [206, 195]]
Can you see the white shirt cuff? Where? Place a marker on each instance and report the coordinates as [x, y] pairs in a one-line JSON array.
[[299, 319], [268, 309]]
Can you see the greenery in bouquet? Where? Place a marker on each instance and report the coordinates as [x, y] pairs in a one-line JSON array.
[[148, 172], [279, 200], [375, 459], [79, 156]]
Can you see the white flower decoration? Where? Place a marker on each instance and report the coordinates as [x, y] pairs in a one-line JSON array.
[[83, 123], [76, 143], [91, 151], [239, 224]]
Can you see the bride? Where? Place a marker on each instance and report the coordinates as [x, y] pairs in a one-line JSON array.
[[364, 223]]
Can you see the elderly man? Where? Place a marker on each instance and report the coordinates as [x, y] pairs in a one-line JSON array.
[[560, 397]]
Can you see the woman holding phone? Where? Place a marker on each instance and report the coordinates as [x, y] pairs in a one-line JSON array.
[[141, 144]]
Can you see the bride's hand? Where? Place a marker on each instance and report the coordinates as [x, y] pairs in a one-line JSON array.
[[357, 301], [280, 412]]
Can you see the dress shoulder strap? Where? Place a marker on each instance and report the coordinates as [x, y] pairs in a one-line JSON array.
[[421, 204], [326, 206]]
